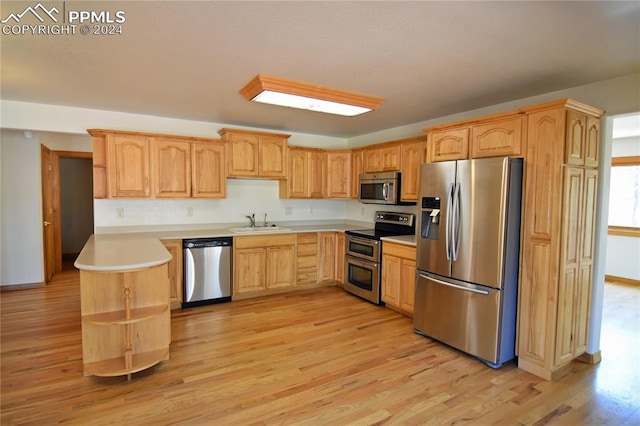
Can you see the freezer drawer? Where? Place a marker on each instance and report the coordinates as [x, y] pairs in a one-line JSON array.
[[464, 316]]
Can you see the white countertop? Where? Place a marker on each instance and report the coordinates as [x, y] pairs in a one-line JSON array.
[[112, 253], [408, 240]]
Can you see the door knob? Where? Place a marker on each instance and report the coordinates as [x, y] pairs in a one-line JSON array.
[[47, 223]]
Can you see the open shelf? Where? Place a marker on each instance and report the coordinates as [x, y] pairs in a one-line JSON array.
[[116, 366], [119, 317]]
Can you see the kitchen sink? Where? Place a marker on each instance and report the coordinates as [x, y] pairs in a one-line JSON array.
[[258, 229]]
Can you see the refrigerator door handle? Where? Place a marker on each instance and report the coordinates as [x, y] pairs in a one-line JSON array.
[[471, 290], [455, 231], [447, 229]]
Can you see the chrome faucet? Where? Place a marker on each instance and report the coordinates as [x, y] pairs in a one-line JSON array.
[[265, 224], [252, 218]]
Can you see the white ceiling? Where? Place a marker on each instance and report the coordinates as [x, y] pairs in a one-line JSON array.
[[427, 59]]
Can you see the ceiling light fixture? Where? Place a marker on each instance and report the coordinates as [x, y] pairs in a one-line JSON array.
[[294, 94]]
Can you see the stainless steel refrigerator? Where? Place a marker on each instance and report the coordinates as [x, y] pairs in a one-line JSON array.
[[468, 250]]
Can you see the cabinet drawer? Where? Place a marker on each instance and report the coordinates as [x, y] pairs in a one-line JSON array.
[[307, 276], [263, 241], [307, 261], [399, 250], [307, 249], [308, 238]]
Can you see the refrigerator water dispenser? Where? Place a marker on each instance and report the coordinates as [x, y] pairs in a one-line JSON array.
[[430, 219]]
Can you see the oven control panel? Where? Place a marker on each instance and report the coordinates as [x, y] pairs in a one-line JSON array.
[[395, 218]]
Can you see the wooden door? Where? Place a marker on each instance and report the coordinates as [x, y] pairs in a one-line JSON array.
[[280, 266], [171, 167], [412, 156], [339, 174], [498, 138], [129, 166], [326, 256], [340, 257], [317, 174], [451, 144], [272, 155], [48, 214], [208, 171], [407, 284], [391, 272], [243, 155]]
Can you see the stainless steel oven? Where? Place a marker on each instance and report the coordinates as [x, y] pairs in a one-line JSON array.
[[363, 255]]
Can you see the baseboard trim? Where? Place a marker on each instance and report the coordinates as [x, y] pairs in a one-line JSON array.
[[592, 359], [14, 287], [621, 280]]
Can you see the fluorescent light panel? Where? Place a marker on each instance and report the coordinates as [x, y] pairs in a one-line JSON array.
[[293, 94]]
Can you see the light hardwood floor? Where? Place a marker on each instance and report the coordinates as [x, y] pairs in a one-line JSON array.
[[314, 357]]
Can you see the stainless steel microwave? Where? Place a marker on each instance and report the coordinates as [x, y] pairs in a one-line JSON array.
[[380, 188]]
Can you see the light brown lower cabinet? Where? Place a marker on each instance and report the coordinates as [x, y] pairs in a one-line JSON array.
[[326, 256], [262, 264], [175, 272], [398, 276], [340, 249], [125, 320]]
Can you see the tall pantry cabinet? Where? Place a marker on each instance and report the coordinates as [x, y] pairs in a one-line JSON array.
[[559, 205]]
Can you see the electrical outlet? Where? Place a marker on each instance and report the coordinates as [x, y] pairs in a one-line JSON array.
[[287, 210], [362, 211], [189, 211], [120, 213], [310, 210]]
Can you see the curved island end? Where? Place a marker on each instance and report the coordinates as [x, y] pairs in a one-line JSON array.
[[124, 293]]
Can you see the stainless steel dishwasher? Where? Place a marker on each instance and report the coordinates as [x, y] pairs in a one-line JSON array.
[[207, 271]]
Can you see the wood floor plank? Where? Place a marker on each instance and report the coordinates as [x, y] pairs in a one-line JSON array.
[[316, 357]]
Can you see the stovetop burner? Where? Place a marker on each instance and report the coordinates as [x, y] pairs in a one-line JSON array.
[[388, 224]]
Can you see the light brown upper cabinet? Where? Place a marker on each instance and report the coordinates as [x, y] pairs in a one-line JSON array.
[[307, 174], [148, 165], [583, 136], [559, 214], [128, 165], [256, 154], [448, 144], [382, 158], [208, 177], [357, 168], [171, 166], [413, 153], [339, 174], [498, 138]]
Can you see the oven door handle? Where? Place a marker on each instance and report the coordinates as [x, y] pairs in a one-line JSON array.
[[361, 263], [364, 241]]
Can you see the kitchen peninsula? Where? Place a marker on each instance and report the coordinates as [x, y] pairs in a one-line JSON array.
[[124, 289]]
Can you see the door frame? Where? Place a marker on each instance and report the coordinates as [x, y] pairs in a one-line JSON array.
[[52, 185]]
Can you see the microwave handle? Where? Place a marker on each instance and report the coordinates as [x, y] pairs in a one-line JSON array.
[[385, 191]]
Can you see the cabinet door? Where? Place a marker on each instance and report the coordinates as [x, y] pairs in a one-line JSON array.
[[413, 154], [339, 174], [128, 166], [340, 257], [372, 160], [280, 266], [390, 156], [570, 262], [575, 142], [592, 142], [243, 155], [249, 266], [357, 168], [171, 167], [272, 155], [208, 170], [175, 272], [298, 180], [307, 258], [451, 144], [318, 174], [326, 256], [407, 284], [498, 138], [391, 272]]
